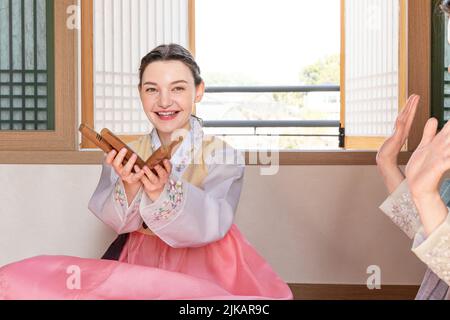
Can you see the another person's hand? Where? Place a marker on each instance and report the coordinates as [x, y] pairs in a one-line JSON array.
[[387, 157], [154, 184], [389, 151], [424, 172], [430, 160]]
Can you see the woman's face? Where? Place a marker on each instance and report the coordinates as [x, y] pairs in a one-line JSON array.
[[168, 94]]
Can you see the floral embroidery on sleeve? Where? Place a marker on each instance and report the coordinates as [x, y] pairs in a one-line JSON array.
[[119, 195], [405, 215], [435, 251], [121, 198], [167, 207], [400, 208], [438, 259], [136, 202]]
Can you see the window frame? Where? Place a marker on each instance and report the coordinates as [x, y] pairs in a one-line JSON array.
[[65, 92], [417, 76]]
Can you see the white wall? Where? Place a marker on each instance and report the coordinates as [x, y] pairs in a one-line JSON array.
[[313, 224]]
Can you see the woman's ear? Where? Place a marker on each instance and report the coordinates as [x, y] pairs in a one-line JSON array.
[[199, 92]]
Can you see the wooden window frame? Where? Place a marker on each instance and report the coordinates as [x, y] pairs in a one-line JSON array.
[[61, 139], [416, 59]]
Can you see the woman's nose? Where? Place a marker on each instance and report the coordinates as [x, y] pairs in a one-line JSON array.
[[165, 100]]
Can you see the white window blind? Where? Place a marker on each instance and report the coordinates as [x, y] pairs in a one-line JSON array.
[[372, 66], [124, 31]]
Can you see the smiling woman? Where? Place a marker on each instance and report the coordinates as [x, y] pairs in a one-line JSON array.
[[177, 236], [169, 85]]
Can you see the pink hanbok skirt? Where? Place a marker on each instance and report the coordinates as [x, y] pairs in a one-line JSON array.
[[148, 268]]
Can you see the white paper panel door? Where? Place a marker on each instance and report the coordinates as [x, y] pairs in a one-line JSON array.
[[124, 31], [372, 67]]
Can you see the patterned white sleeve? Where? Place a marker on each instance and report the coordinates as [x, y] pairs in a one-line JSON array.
[[109, 203], [434, 251], [400, 208], [188, 216]]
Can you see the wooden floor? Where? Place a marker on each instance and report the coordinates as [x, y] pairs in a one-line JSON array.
[[351, 292]]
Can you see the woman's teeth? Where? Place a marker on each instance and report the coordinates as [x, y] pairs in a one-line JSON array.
[[166, 114]]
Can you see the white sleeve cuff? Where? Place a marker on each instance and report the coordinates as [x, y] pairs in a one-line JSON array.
[[435, 251], [400, 208], [121, 201], [166, 208]]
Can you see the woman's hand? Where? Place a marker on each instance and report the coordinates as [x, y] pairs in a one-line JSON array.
[[125, 171], [388, 154], [424, 172], [430, 161], [155, 184], [389, 151], [131, 181]]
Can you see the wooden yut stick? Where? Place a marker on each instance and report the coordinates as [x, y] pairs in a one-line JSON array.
[[103, 143], [95, 138], [107, 141], [164, 152], [119, 145]]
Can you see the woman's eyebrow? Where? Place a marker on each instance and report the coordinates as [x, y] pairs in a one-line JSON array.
[[179, 81], [155, 84], [150, 83]]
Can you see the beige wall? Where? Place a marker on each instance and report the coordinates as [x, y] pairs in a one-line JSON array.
[[313, 224]]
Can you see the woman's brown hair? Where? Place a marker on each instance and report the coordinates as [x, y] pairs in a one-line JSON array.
[[445, 6], [171, 52]]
